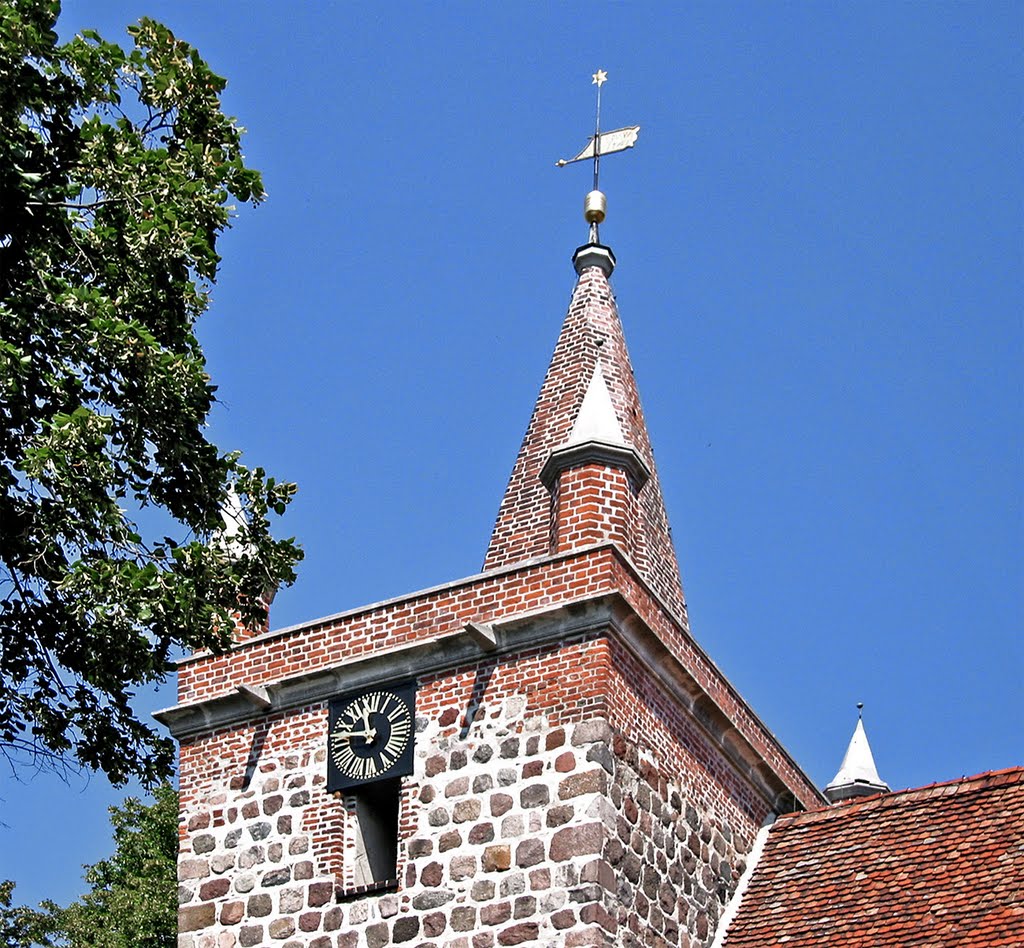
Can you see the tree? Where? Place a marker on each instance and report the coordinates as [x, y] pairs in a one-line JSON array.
[[22, 927], [117, 169], [132, 900]]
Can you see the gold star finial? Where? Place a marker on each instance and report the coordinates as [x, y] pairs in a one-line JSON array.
[[600, 77]]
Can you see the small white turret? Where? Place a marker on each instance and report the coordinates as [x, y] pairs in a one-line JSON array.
[[858, 776]]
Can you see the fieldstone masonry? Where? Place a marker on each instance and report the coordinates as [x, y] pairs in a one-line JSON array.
[[518, 833], [584, 774]]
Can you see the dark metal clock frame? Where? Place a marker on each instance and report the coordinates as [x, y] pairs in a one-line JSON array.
[[370, 736]]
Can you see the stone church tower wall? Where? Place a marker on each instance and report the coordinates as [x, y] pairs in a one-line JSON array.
[[577, 770]]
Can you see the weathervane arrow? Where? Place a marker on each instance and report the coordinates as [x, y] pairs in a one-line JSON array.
[[601, 143], [610, 142]]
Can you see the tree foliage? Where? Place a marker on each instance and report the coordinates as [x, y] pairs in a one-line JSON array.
[[117, 173], [132, 898]]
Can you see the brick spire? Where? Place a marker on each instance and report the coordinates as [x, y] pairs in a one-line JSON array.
[[585, 472]]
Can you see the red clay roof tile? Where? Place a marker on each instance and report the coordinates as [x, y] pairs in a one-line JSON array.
[[941, 865]]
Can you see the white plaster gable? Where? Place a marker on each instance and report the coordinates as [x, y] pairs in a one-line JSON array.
[[596, 420]]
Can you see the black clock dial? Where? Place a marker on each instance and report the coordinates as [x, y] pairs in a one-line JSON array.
[[370, 737]]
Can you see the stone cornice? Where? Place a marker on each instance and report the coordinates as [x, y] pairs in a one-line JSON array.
[[595, 452], [608, 612]]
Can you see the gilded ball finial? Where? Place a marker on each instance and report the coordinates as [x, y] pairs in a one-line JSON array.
[[595, 207]]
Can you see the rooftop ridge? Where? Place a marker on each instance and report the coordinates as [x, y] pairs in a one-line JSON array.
[[987, 780]]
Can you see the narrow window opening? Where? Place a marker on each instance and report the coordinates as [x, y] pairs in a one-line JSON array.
[[373, 813]]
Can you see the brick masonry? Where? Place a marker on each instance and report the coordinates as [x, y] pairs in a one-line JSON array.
[[531, 818], [591, 334], [584, 774]]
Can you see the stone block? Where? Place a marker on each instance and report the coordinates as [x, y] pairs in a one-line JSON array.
[[559, 815], [281, 928], [420, 847], [565, 762], [259, 831], [497, 858], [533, 768], [457, 787], [438, 816], [573, 841], [589, 732], [464, 867], [597, 913], [482, 891], [432, 874], [466, 811], [524, 907], [463, 918], [599, 871], [319, 893], [482, 783], [192, 918], [231, 913], [450, 840], [250, 936], [309, 921], [554, 738], [517, 934], [259, 905], [495, 913], [534, 795], [222, 862], [501, 803], [290, 900], [434, 924], [587, 781], [564, 918], [276, 877], [530, 852], [483, 753], [540, 879], [193, 869], [377, 935], [406, 929], [599, 753], [433, 899], [513, 884], [214, 889], [481, 833]]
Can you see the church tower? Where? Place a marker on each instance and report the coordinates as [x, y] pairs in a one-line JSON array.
[[539, 754]]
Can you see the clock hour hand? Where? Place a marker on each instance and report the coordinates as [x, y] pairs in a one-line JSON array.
[[368, 735], [366, 722]]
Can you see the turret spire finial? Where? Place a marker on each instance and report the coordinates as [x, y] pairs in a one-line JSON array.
[[595, 206]]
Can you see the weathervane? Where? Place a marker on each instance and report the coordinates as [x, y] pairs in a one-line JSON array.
[[595, 205]]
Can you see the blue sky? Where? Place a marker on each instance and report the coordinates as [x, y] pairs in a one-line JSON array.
[[820, 278]]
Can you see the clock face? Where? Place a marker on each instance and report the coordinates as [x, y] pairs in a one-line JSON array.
[[370, 736]]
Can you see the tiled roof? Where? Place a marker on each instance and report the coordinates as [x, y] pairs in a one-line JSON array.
[[939, 866]]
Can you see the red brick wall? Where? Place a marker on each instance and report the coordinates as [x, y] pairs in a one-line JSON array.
[[590, 334]]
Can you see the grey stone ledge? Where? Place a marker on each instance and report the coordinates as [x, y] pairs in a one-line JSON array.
[[608, 612]]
